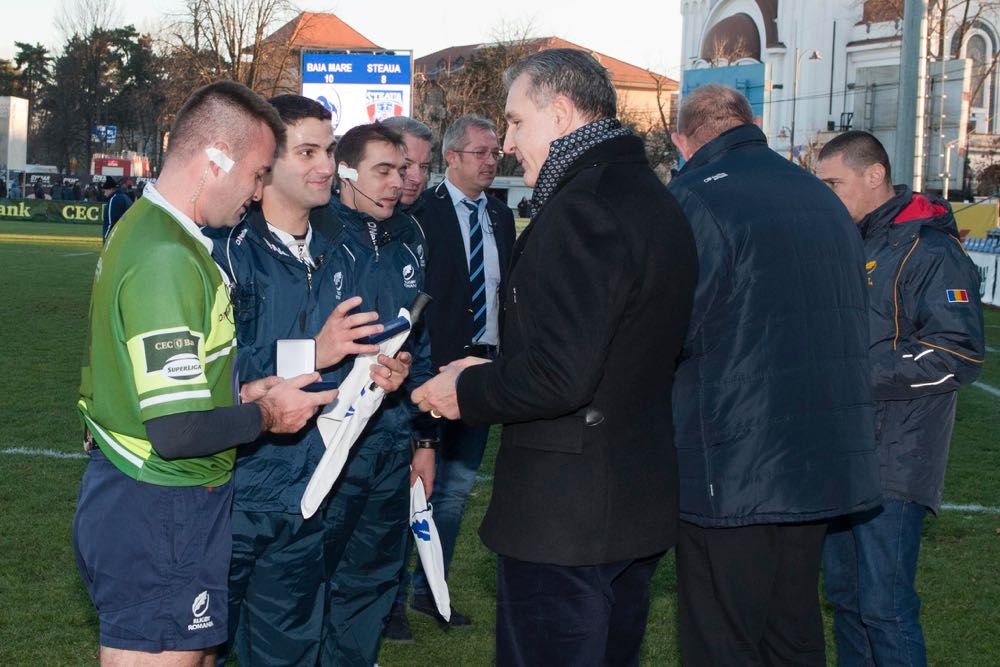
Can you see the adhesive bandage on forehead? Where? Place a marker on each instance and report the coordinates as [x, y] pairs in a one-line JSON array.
[[220, 159]]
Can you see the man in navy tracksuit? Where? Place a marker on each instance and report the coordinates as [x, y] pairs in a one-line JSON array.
[[118, 203], [366, 520], [926, 330], [294, 277]]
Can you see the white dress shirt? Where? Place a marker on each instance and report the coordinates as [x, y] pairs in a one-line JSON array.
[[491, 261]]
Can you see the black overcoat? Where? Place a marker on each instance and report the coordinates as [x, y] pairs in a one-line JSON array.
[[596, 307]]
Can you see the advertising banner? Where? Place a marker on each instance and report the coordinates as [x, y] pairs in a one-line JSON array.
[[975, 220], [45, 210], [358, 88]]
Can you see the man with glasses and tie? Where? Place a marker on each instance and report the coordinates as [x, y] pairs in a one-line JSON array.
[[469, 240]]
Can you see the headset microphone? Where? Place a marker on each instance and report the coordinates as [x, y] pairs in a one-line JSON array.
[[350, 175], [377, 203]]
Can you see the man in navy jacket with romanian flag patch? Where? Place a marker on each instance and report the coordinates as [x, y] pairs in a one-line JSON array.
[[926, 328]]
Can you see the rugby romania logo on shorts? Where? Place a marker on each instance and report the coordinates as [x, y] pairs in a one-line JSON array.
[[958, 296], [199, 608]]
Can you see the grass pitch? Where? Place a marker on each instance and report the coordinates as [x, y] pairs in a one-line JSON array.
[[46, 617]]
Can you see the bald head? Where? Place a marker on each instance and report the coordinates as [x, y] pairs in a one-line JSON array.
[[706, 112]]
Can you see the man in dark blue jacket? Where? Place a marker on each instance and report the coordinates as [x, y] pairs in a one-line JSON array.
[[117, 203], [292, 276], [772, 403], [470, 235], [367, 515], [926, 330]]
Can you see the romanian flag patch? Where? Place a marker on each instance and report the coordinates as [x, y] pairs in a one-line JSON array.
[[958, 296]]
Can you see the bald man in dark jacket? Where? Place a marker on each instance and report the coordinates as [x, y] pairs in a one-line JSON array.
[[772, 403]]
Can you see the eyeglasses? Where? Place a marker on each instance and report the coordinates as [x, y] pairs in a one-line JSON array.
[[482, 153]]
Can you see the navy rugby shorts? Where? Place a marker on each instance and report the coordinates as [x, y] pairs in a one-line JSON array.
[[155, 559]]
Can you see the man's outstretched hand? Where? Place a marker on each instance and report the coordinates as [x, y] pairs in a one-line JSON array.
[[439, 394]]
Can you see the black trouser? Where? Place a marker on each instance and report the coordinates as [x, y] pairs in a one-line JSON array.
[[749, 595], [576, 616]]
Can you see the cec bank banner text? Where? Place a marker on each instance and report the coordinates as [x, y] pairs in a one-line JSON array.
[[45, 210]]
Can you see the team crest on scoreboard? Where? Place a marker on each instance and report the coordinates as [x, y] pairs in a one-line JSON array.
[[331, 102], [382, 104]]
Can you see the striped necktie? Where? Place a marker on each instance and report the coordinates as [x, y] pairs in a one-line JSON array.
[[477, 277]]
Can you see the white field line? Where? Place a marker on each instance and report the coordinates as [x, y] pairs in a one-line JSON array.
[[78, 254], [992, 349], [48, 453], [987, 388], [974, 508]]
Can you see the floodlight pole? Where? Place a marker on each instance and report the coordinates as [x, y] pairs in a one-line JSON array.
[[908, 163], [795, 95]]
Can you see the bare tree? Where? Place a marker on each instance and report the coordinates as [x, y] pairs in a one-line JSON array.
[[227, 39], [877, 11], [83, 17], [726, 51], [965, 15], [473, 83], [942, 15], [653, 126]]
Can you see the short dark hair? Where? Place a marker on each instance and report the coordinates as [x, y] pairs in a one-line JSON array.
[[351, 147], [859, 150], [570, 72], [221, 111], [293, 108]]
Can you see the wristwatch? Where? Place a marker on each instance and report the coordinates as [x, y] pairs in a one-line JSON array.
[[427, 443]]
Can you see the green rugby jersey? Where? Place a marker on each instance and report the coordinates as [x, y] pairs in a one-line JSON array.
[[161, 342]]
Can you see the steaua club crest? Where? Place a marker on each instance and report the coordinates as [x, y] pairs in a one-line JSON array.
[[382, 104]]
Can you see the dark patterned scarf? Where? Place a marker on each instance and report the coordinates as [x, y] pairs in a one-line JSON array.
[[564, 151]]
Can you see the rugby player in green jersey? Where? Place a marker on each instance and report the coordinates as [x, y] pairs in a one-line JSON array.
[[158, 395]]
